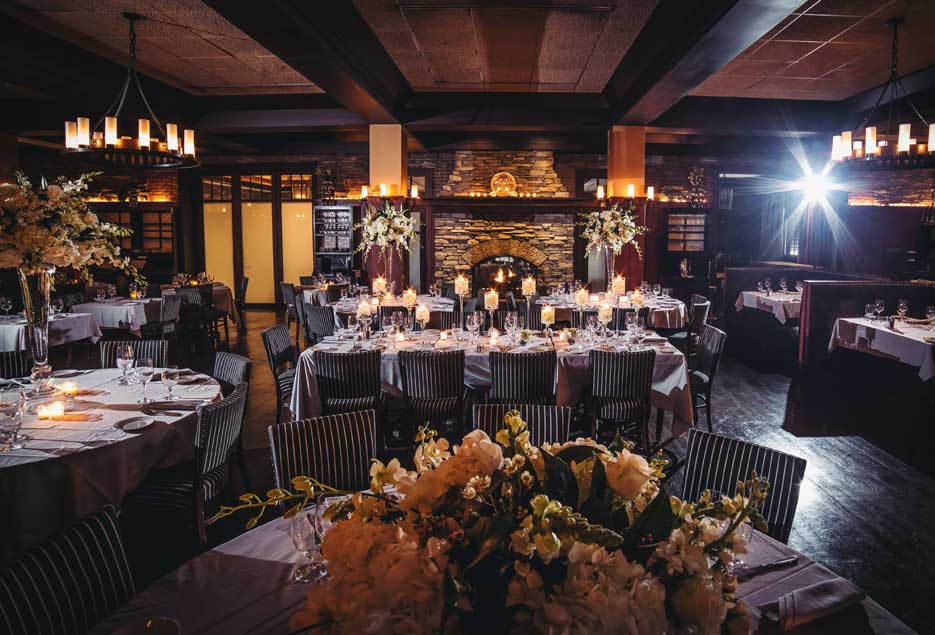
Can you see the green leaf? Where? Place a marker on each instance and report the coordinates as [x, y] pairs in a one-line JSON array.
[[598, 480], [597, 506], [655, 523], [577, 453], [560, 483], [490, 534]]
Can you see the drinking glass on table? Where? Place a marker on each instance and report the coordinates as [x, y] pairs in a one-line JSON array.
[[111, 291], [879, 305], [58, 305], [768, 283], [11, 417], [124, 362], [657, 290], [352, 326], [759, 286], [902, 307], [783, 284], [386, 324], [170, 377], [145, 370], [799, 285], [99, 296], [5, 305], [930, 315], [510, 324], [640, 331], [307, 530], [869, 311]]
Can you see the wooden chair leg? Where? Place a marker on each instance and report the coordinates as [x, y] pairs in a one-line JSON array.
[[660, 417], [707, 408], [227, 335]]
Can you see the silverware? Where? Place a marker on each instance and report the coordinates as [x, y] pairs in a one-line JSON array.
[[748, 572]]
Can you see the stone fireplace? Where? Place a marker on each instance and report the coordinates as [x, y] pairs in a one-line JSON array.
[[504, 273]]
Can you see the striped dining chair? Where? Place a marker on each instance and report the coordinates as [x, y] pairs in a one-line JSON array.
[[70, 582], [701, 377], [687, 340], [157, 350], [534, 321], [317, 321], [182, 491], [546, 424], [576, 317], [15, 364], [715, 462], [433, 386], [522, 377], [231, 369], [348, 382], [621, 386], [335, 449], [282, 355]]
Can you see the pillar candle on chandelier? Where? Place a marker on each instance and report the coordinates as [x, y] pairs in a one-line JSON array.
[[110, 131], [631, 190], [84, 132]]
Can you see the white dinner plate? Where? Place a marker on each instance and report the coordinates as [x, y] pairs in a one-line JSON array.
[[134, 424]]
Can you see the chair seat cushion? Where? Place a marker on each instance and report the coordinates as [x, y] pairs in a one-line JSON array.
[[171, 490], [682, 336], [284, 382], [619, 409]]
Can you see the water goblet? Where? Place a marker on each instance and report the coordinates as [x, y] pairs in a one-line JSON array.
[[868, 311], [930, 315], [879, 305], [124, 362], [58, 305], [11, 417], [307, 530], [657, 290], [145, 371], [99, 296], [902, 307], [170, 377], [768, 283], [353, 325], [783, 284], [799, 285], [759, 286], [111, 291]]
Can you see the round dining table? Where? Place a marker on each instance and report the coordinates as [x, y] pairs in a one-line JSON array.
[[435, 305], [121, 312], [64, 328], [71, 466]]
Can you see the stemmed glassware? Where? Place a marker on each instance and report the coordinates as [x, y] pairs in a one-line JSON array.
[[510, 323], [930, 315], [759, 286], [170, 377], [473, 324], [869, 311], [145, 371], [640, 331], [58, 305], [783, 285], [11, 417], [111, 291], [5, 305], [307, 528], [799, 285], [100, 296], [657, 289], [768, 283], [879, 305], [124, 362], [902, 308]]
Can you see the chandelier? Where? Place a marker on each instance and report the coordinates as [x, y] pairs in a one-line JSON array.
[[145, 151], [895, 146]]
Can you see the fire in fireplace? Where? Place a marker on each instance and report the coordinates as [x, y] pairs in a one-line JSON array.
[[504, 273]]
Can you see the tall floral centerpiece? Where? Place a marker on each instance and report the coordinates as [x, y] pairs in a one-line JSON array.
[[389, 230], [611, 230], [499, 536], [45, 227]]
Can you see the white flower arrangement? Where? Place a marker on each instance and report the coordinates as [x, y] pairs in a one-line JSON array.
[[53, 225], [612, 229], [384, 228]]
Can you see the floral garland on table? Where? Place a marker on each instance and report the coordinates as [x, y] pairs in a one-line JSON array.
[[500, 535], [53, 225], [384, 228], [612, 229]]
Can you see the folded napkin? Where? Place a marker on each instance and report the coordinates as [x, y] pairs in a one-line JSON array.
[[158, 406], [811, 603], [649, 339]]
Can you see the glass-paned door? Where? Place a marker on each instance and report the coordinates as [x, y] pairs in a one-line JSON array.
[[256, 193], [218, 214], [297, 227]]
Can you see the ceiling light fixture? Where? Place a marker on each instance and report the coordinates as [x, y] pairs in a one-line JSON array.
[[145, 151], [896, 145]]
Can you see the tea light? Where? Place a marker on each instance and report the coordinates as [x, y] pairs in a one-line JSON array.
[[363, 310], [54, 410], [637, 298], [388, 297], [379, 284], [443, 336], [619, 285], [409, 298], [582, 297], [529, 286], [134, 295], [491, 300], [461, 285], [548, 315], [422, 313], [494, 333], [605, 314], [383, 190], [400, 337], [68, 388]]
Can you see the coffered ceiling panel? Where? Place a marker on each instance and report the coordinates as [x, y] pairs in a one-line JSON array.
[[829, 50], [559, 46], [182, 42]]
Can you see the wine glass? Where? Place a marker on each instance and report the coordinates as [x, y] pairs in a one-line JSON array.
[[640, 331], [99, 296], [759, 286], [868, 311], [473, 324], [170, 377], [630, 321], [5, 305], [783, 284], [799, 285], [145, 370], [879, 305], [58, 305], [768, 283], [509, 322], [657, 290], [124, 362], [11, 417], [306, 529], [111, 291], [902, 307], [386, 324], [930, 316]]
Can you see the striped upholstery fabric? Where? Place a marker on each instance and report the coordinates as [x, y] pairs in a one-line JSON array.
[[546, 424], [319, 320], [442, 320], [433, 383], [68, 583], [334, 449], [576, 318], [348, 381], [218, 429], [621, 384], [522, 377], [717, 463], [190, 295], [169, 313], [15, 364], [620, 320], [534, 321], [231, 369], [282, 356], [157, 350]]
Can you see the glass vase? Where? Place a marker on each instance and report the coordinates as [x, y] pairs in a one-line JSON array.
[[36, 286], [609, 257]]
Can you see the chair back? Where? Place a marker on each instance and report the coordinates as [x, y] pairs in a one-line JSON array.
[[334, 449], [576, 318], [207, 294], [280, 350], [15, 364], [70, 582], [333, 292], [546, 424], [319, 320], [190, 295], [523, 377], [242, 291], [697, 298], [710, 346], [157, 350], [169, 307], [307, 281], [699, 316], [623, 376], [219, 426], [231, 368], [534, 321], [620, 319], [288, 293], [348, 381], [716, 462], [432, 374]]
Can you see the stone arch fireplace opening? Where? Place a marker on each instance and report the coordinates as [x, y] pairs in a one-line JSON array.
[[502, 272]]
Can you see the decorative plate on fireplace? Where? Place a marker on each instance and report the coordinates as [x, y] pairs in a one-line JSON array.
[[503, 184]]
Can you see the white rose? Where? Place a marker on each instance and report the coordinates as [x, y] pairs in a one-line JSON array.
[[627, 473], [477, 445]]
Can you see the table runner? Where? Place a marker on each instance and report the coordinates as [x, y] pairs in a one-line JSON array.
[[72, 467], [874, 337], [671, 391], [121, 312], [664, 313], [783, 306], [245, 586], [63, 329]]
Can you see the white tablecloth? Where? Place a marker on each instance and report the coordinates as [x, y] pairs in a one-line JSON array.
[[671, 391], [63, 329], [246, 586], [121, 312], [72, 467], [221, 295], [349, 306], [906, 343], [664, 313], [783, 306]]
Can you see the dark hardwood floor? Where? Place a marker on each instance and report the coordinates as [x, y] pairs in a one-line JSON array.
[[865, 512]]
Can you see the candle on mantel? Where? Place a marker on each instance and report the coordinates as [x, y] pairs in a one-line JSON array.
[[605, 314], [491, 300], [383, 189], [422, 313], [54, 410], [68, 388], [461, 285], [600, 192], [548, 315], [364, 191], [582, 297], [529, 286], [379, 284], [409, 298], [631, 190], [619, 285]]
